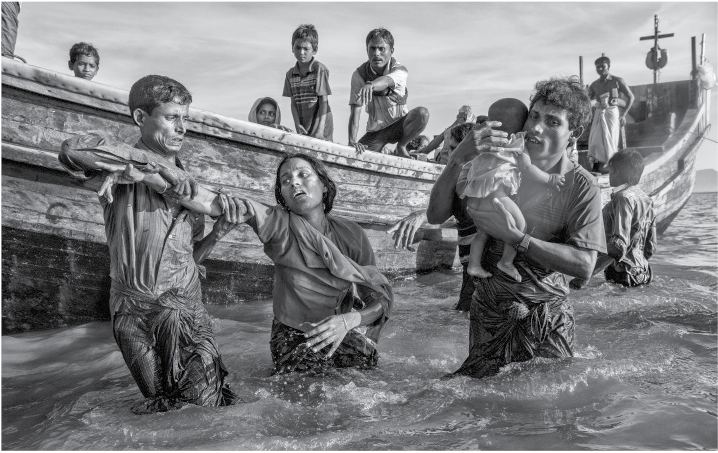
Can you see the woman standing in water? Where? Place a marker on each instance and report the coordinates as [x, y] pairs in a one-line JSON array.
[[330, 301]]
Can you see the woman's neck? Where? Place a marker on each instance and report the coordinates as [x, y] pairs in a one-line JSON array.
[[317, 219]]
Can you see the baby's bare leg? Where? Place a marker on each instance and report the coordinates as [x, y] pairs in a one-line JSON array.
[[506, 263], [477, 245]]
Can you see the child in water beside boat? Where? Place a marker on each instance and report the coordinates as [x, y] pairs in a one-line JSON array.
[[497, 175]]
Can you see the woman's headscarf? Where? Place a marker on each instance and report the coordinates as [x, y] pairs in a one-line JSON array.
[[258, 103]]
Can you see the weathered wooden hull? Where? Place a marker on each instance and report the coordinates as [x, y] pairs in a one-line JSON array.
[[54, 258], [53, 239]]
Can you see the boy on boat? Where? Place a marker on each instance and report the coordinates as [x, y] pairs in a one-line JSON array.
[[307, 83], [84, 60], [154, 221], [630, 222], [607, 121], [379, 85]]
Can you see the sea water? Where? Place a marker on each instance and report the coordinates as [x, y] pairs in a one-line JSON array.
[[643, 376]]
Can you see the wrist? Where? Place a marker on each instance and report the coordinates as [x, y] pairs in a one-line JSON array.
[[522, 246]]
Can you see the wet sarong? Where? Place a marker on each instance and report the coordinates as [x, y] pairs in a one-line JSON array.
[[290, 353], [605, 129], [168, 345], [507, 326]]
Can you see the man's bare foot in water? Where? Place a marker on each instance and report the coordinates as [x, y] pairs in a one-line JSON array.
[[509, 269], [478, 271]]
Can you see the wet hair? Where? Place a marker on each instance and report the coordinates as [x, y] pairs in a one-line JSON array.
[[416, 143], [83, 48], [628, 164], [306, 32], [459, 132], [153, 90], [602, 59], [511, 112], [481, 118], [266, 101], [566, 93], [320, 169], [380, 33]]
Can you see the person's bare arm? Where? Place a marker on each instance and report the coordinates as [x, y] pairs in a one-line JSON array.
[[565, 258], [354, 117], [533, 173], [322, 115], [236, 212], [476, 142], [405, 229], [623, 88], [295, 116], [433, 144]]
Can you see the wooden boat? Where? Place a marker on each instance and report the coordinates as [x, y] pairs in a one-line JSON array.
[[54, 255]]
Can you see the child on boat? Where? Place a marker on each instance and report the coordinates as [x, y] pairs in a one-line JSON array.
[[265, 111], [84, 60], [307, 83], [498, 175]]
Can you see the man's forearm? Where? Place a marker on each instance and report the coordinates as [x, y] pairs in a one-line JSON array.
[[354, 116], [442, 194], [563, 258]]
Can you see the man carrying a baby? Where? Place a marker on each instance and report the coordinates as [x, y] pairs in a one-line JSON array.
[[515, 319]]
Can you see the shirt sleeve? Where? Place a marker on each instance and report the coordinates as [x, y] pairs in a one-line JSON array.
[[287, 86], [620, 233], [323, 82], [399, 74], [585, 218], [356, 85], [271, 224]]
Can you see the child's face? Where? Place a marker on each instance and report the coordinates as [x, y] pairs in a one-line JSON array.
[[267, 114], [303, 51], [84, 67]]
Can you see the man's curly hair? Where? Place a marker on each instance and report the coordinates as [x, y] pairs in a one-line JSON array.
[[566, 93]]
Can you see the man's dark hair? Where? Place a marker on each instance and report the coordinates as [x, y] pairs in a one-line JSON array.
[[566, 93], [153, 90], [83, 48], [380, 33], [320, 169], [481, 118], [602, 59], [628, 164], [306, 32], [416, 143], [459, 132]]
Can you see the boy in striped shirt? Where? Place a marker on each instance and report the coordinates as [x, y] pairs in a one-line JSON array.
[[307, 83]]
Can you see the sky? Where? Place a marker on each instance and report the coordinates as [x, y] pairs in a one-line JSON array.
[[228, 54]]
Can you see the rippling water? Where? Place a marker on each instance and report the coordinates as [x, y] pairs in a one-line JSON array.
[[643, 377]]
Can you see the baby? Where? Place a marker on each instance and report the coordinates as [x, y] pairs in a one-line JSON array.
[[497, 175]]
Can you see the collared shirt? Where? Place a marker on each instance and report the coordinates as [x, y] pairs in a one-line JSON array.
[[305, 91], [630, 229], [610, 86], [150, 250], [571, 215], [382, 111]]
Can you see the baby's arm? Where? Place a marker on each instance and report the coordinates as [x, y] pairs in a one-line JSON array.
[[533, 173]]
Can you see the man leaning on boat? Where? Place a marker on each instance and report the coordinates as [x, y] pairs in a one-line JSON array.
[[154, 222]]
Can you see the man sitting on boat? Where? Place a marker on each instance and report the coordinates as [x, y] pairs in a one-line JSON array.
[[607, 120], [514, 321], [154, 228], [379, 84], [630, 223]]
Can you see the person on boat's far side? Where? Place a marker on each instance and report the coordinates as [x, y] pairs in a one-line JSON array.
[[84, 60], [265, 111], [514, 321], [607, 121], [330, 301], [307, 83], [379, 85], [154, 221], [465, 115], [630, 223]]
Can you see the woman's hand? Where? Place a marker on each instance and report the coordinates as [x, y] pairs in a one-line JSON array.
[[331, 330], [498, 223], [480, 140]]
